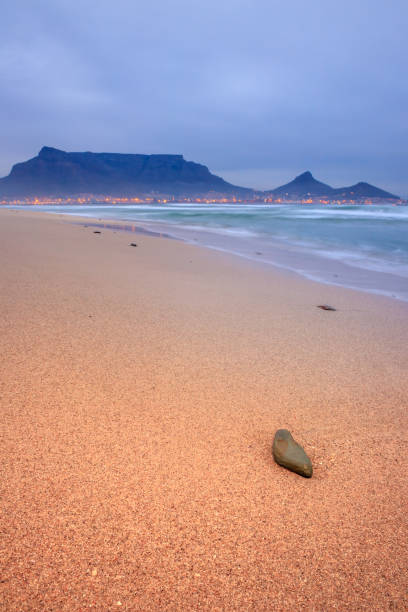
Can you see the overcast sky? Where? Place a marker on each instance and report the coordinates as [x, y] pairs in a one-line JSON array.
[[258, 90]]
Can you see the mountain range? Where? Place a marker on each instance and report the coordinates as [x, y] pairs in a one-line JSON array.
[[306, 185], [57, 173]]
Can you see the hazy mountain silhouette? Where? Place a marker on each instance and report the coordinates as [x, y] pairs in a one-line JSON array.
[[306, 185], [55, 172], [303, 185], [363, 190]]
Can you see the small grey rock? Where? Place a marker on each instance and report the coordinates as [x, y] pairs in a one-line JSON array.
[[326, 307], [290, 454]]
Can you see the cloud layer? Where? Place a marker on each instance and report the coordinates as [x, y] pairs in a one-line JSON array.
[[257, 90]]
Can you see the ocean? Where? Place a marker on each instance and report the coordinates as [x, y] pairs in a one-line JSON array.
[[363, 247]]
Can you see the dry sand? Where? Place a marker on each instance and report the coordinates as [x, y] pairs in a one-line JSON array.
[[140, 392]]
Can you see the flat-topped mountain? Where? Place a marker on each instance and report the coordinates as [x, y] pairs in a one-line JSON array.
[[55, 172], [306, 185]]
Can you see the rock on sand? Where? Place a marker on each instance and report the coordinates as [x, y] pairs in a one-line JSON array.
[[290, 454]]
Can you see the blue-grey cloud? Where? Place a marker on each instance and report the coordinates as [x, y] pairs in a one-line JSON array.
[[258, 90]]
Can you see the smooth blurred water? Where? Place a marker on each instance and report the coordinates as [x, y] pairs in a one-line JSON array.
[[364, 247]]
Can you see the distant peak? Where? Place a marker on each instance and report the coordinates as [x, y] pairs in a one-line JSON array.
[[305, 175], [304, 184]]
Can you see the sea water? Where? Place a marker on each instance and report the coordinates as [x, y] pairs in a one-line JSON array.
[[358, 246]]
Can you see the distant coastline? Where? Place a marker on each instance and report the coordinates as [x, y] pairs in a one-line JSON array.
[[89, 199]]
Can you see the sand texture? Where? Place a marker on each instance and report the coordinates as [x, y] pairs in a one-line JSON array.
[[141, 389]]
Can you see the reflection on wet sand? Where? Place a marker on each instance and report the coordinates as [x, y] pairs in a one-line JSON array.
[[129, 228]]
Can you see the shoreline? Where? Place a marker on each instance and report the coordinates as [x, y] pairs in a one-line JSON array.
[[141, 389], [319, 269]]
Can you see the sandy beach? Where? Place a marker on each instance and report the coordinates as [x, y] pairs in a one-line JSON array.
[[141, 388]]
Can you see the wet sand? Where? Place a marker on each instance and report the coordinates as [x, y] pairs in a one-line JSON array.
[[140, 392]]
